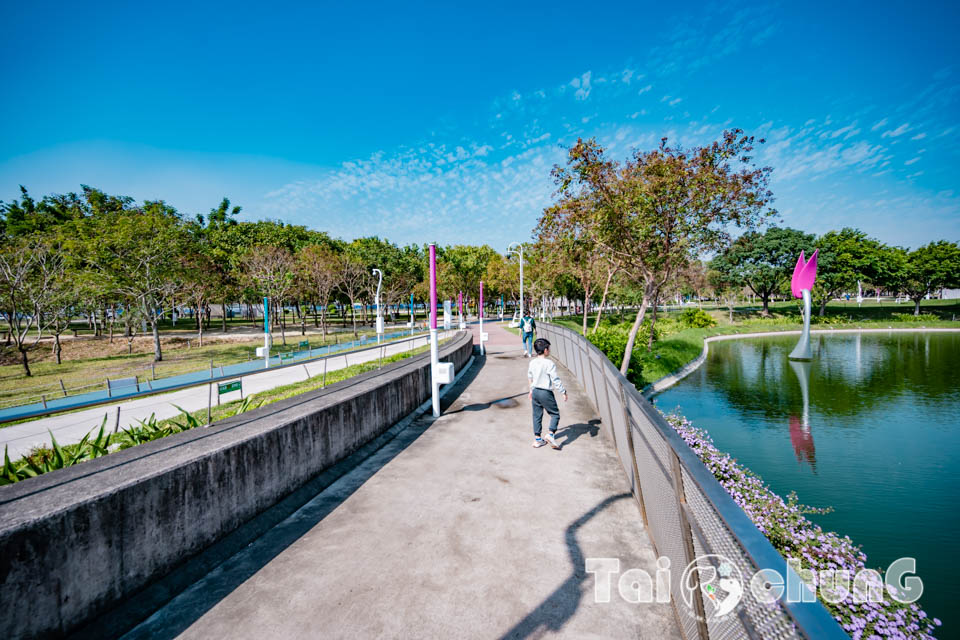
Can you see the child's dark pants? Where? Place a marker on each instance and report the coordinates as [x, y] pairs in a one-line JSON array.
[[544, 399]]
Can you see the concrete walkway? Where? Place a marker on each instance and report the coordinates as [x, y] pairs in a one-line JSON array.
[[69, 428], [456, 528]]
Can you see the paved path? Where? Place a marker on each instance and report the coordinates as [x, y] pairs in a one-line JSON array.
[[456, 528], [69, 428]]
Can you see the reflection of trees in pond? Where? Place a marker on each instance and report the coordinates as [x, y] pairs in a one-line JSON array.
[[850, 374]]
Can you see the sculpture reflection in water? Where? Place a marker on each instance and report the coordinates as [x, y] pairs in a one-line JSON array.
[[800, 435]]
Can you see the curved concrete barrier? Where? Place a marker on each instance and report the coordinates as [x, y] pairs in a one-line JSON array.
[[75, 542]]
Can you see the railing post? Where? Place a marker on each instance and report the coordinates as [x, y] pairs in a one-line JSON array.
[[633, 455], [593, 380], [686, 538]]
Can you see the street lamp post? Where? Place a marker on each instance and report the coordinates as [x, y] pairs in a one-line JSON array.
[[510, 249], [377, 272]]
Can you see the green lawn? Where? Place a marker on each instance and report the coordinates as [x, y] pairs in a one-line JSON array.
[[88, 362]]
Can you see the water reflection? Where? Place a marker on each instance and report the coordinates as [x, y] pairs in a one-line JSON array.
[[852, 373], [800, 435]]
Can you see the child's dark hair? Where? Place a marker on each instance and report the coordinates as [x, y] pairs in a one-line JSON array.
[[540, 345]]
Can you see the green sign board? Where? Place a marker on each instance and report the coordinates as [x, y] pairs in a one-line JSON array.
[[227, 387], [286, 356], [304, 344]]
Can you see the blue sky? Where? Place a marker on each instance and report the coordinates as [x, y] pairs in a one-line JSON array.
[[424, 122]]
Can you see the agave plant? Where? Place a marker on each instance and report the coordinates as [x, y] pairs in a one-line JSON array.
[[189, 421], [146, 431], [45, 460], [246, 405], [10, 474]]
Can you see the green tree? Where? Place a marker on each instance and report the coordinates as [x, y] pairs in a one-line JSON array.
[[25, 216], [845, 257], [135, 251], [764, 261], [215, 243], [927, 270]]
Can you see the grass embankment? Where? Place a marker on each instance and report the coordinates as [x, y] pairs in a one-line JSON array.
[[87, 362], [43, 459], [677, 345]]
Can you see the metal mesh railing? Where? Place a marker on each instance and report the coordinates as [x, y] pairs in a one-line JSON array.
[[687, 514]]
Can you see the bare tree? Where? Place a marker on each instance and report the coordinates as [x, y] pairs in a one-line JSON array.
[[612, 267], [318, 267], [200, 283], [29, 270], [354, 281], [664, 207], [271, 270]]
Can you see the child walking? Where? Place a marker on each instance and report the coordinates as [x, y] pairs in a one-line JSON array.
[[542, 374]]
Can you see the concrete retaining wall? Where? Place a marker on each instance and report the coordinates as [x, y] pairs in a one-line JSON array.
[[75, 542]]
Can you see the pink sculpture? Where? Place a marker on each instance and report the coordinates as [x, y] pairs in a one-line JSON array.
[[802, 282], [804, 274]]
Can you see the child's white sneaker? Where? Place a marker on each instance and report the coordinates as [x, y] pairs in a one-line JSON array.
[[553, 441], [539, 442]]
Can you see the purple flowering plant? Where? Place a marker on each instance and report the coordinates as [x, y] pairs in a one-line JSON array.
[[785, 525]]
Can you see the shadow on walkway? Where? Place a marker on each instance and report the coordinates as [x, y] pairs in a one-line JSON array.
[[574, 431], [217, 571], [500, 403], [554, 612]]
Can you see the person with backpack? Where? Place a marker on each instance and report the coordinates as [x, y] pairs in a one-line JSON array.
[[528, 327]]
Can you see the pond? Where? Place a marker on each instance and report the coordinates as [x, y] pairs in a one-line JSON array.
[[870, 427]]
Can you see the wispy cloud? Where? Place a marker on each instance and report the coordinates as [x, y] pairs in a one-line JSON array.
[[582, 85], [499, 179], [431, 189], [899, 131]]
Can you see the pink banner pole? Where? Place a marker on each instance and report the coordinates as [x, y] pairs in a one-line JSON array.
[[433, 286], [483, 350], [434, 346]]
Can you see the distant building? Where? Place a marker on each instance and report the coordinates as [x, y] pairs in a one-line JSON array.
[[950, 294]]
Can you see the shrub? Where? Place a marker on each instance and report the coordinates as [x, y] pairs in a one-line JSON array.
[[909, 317], [612, 342], [838, 318], [696, 319]]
